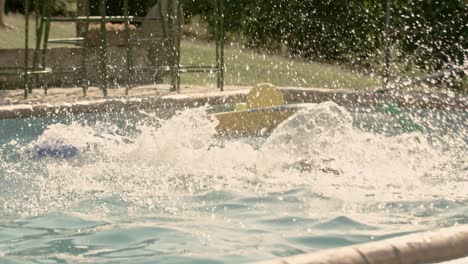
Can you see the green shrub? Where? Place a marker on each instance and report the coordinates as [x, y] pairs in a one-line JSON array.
[[115, 7], [236, 12], [59, 7], [339, 30], [427, 33], [432, 34]]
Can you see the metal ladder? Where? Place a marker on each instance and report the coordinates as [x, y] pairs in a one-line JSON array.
[[43, 25], [26, 70], [167, 37], [174, 66], [42, 36]]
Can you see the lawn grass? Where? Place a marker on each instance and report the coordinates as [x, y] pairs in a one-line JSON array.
[[13, 39], [247, 67], [243, 66]]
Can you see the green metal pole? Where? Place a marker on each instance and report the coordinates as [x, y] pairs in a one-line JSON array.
[[172, 55], [103, 48], [46, 15], [129, 49], [26, 48], [84, 51], [178, 46], [166, 37], [81, 10], [39, 29], [217, 40], [223, 36], [387, 40]]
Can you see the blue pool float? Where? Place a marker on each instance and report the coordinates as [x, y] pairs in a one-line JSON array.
[[56, 151]]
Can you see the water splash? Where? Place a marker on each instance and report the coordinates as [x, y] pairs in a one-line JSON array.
[[318, 149]]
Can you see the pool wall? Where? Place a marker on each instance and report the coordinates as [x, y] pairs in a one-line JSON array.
[[184, 101]]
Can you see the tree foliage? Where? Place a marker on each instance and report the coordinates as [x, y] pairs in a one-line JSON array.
[[58, 7], [237, 12], [115, 7], [333, 30], [432, 34]]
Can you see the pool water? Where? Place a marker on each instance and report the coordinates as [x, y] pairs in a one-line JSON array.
[[149, 190]]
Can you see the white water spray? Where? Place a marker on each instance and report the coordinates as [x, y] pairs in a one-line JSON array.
[[318, 148]]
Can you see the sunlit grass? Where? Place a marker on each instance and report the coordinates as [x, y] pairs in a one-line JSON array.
[[246, 67], [243, 66], [11, 39]]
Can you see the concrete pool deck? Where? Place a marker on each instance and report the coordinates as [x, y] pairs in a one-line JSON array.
[[71, 95], [158, 97]]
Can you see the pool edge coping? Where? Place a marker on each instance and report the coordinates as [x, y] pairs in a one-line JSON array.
[[345, 98]]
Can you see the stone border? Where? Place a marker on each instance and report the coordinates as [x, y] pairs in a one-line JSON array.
[[373, 99], [431, 247], [183, 101], [170, 102]]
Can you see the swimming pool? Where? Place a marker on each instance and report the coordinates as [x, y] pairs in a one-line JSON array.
[[146, 190]]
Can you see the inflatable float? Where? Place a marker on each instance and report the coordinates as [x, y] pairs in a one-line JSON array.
[[264, 110], [56, 147]]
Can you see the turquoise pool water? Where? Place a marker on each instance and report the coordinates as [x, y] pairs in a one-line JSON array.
[[145, 190]]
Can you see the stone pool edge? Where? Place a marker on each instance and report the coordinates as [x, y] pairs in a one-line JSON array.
[[183, 101]]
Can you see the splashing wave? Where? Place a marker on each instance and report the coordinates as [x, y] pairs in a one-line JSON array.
[[318, 149]]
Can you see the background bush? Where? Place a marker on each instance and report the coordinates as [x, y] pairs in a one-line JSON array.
[[237, 12], [430, 34], [115, 7], [59, 7], [338, 30]]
